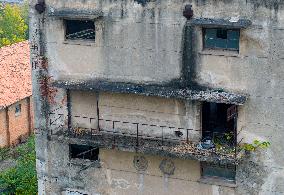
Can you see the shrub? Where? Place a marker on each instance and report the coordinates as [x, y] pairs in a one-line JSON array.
[[21, 179]]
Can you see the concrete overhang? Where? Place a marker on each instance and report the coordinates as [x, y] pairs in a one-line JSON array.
[[150, 147], [177, 92], [220, 23], [75, 13]]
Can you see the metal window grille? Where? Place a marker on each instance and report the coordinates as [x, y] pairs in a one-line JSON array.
[[84, 152], [80, 30]]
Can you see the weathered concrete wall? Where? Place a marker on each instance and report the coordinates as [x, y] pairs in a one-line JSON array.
[[145, 44], [118, 175], [256, 70], [129, 109]]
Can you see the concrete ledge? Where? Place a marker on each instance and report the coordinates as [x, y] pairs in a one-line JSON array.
[[166, 91], [75, 13], [218, 182], [219, 23], [146, 146]]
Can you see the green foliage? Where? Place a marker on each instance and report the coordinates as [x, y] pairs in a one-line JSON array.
[[21, 179], [13, 28], [256, 144], [4, 153], [25, 16], [224, 140]]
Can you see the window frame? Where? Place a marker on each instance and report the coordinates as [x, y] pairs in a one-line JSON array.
[[204, 47], [217, 178], [18, 109], [78, 40]]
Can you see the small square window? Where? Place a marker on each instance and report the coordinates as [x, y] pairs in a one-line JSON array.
[[84, 152], [218, 171], [18, 109], [80, 30], [217, 38]]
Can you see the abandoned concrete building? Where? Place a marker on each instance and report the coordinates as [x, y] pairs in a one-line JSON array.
[[158, 96]]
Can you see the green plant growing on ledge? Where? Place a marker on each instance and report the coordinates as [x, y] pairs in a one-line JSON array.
[[256, 144], [224, 143]]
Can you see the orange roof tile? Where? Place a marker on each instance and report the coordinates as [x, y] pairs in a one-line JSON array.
[[15, 73]]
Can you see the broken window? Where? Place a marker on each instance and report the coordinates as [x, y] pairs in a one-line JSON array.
[[217, 38], [84, 152], [80, 30], [218, 171]]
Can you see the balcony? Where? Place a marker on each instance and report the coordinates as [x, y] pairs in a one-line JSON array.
[[179, 143]]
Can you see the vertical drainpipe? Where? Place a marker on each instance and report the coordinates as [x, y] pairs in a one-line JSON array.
[[7, 126], [188, 62]]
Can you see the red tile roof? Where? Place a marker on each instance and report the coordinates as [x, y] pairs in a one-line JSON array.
[[15, 73]]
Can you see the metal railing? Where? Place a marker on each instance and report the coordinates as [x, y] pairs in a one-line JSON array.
[[84, 34], [168, 138]]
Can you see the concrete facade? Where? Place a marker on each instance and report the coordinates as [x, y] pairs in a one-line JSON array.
[[148, 47]]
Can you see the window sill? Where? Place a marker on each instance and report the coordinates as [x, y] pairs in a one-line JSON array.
[[86, 162], [80, 42], [218, 182], [220, 52]]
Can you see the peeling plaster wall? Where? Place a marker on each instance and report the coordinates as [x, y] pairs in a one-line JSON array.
[[145, 43], [136, 109], [125, 51], [256, 70], [116, 174]]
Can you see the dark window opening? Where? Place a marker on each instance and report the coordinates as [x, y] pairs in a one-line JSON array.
[[219, 126], [84, 152], [218, 171], [80, 30], [217, 38], [219, 123], [18, 109]]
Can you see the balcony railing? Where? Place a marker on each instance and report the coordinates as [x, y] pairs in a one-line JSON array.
[[178, 144]]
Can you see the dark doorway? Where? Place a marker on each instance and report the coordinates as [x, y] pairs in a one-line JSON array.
[[219, 125], [219, 121]]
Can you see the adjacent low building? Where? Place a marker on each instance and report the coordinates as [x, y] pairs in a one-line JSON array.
[[15, 94]]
